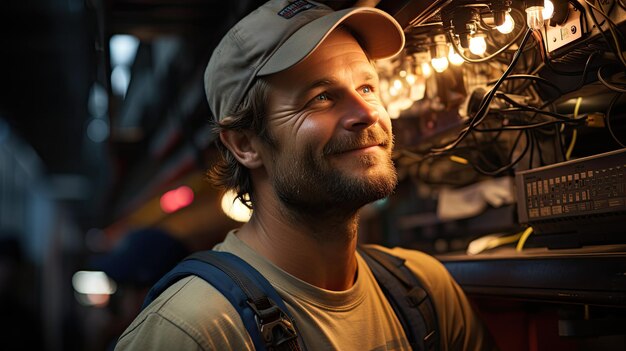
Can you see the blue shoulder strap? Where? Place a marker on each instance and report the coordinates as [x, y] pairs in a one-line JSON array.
[[411, 303], [262, 310]]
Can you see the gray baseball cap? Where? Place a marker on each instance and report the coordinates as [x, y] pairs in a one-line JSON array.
[[280, 34]]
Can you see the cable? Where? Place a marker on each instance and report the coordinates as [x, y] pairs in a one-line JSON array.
[[607, 84], [559, 135], [491, 56], [612, 25], [506, 167], [608, 119], [484, 107], [524, 126], [570, 149], [535, 78], [523, 238]]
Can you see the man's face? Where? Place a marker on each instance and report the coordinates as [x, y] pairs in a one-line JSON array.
[[332, 134]]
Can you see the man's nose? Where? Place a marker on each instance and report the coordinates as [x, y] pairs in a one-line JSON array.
[[359, 113]]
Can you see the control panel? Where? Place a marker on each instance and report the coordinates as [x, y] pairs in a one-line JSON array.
[[574, 196]]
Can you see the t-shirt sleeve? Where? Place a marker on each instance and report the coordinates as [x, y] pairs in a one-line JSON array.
[[459, 326], [189, 315], [157, 333]]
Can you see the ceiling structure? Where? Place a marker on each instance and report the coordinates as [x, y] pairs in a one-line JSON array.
[[107, 155]]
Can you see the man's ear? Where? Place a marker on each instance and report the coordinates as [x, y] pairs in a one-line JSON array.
[[241, 144]]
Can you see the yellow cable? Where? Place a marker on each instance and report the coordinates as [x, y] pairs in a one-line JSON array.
[[522, 240], [458, 159], [570, 148]]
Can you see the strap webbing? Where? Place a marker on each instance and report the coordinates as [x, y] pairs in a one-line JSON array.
[[410, 302], [262, 311]]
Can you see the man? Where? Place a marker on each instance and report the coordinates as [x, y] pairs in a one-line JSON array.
[[306, 142]]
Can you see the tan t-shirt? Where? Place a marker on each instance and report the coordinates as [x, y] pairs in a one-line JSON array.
[[192, 315]]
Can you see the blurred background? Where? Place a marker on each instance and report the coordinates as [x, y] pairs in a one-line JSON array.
[[104, 144]]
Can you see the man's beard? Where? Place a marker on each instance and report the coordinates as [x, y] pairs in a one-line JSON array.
[[310, 185]]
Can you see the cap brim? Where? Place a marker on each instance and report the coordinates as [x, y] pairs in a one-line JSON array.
[[378, 33]]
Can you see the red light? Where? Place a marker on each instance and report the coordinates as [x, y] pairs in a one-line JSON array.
[[176, 199]]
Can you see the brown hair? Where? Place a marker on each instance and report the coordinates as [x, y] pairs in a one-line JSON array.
[[249, 115]]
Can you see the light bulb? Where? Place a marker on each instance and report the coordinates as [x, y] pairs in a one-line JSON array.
[[410, 78], [439, 64], [454, 58], [508, 25], [397, 84], [426, 70], [548, 9], [477, 44], [534, 17], [393, 91]]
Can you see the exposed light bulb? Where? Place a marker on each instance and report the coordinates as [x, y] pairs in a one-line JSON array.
[[548, 9], [426, 70], [410, 78], [393, 91], [477, 44], [455, 58], [534, 17], [508, 25], [439, 64], [397, 84]]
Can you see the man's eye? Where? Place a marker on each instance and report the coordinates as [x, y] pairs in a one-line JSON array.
[[367, 89], [321, 97]]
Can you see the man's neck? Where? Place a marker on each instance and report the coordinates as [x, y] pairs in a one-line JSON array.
[[318, 250]]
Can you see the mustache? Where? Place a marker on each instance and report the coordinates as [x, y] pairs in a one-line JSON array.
[[368, 137]]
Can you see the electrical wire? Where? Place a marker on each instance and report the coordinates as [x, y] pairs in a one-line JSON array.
[[505, 167], [489, 57], [523, 238], [484, 107], [607, 84], [526, 126], [608, 119], [534, 78], [612, 26]]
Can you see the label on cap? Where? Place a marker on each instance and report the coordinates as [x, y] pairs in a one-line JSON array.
[[294, 8]]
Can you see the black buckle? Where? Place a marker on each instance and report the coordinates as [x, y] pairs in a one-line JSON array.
[[275, 326]]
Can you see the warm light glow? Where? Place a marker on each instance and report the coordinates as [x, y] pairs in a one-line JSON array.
[[534, 17], [426, 70], [393, 91], [454, 58], [176, 199], [548, 9], [410, 78], [439, 64], [477, 44], [234, 208], [508, 25], [397, 83]]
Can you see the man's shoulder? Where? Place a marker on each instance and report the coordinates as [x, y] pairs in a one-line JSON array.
[[411, 255], [185, 310], [430, 271]]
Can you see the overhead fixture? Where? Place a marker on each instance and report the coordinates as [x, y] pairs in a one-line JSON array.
[[427, 71], [454, 58], [439, 53], [477, 44], [508, 25], [534, 14], [548, 9]]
